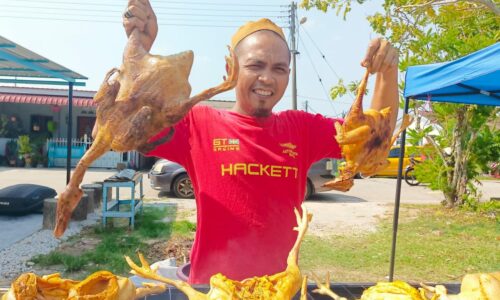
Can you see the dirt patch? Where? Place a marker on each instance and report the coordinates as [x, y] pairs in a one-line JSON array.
[[79, 246], [177, 247]]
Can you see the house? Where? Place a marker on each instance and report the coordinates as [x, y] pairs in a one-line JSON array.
[[43, 112]]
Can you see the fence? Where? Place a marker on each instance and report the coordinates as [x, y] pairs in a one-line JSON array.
[[57, 152]]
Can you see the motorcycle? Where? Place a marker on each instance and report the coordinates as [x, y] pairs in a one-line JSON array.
[[409, 175]]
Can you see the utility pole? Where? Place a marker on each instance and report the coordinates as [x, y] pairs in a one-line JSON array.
[[307, 105], [293, 52]]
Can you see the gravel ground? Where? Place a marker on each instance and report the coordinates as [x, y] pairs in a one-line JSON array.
[[15, 259]]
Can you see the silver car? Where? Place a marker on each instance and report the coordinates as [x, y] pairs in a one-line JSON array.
[[168, 176]]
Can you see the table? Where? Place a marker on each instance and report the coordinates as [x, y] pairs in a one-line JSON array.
[[134, 205]]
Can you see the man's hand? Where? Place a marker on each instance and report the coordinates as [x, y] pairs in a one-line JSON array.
[[380, 56], [140, 14]]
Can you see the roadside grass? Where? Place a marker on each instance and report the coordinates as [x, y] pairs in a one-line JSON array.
[[434, 244], [115, 242]]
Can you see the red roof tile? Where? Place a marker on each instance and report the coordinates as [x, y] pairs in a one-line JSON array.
[[45, 100]]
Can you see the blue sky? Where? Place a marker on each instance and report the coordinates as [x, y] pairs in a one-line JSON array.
[[87, 37]]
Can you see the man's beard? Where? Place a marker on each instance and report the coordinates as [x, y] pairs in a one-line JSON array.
[[261, 113]]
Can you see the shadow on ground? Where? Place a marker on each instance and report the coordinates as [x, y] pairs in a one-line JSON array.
[[337, 198]]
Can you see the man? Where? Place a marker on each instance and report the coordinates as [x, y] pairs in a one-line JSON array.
[[249, 165]]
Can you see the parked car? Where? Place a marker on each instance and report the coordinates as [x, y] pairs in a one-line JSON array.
[[168, 176], [393, 158]]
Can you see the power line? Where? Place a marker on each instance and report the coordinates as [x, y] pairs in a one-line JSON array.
[[323, 99], [114, 17], [160, 14], [156, 9], [319, 77], [323, 56], [121, 4], [119, 22]]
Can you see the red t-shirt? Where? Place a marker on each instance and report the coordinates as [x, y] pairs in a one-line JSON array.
[[248, 176]]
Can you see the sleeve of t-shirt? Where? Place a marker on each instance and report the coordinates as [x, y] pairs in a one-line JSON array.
[[322, 137], [178, 147]]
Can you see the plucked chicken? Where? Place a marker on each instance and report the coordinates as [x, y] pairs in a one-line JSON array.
[[145, 95]]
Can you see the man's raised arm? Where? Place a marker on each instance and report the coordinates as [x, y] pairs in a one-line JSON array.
[[382, 58]]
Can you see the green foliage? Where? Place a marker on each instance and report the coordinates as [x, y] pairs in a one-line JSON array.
[[114, 243], [341, 6], [341, 89], [24, 145], [434, 245], [10, 127]]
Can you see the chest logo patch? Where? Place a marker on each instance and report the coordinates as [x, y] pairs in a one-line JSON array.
[[289, 148], [226, 144]]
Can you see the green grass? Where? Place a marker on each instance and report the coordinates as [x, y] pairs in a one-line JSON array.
[[434, 244], [114, 243]]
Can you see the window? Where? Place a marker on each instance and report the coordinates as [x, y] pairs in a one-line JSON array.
[[394, 153], [39, 123]]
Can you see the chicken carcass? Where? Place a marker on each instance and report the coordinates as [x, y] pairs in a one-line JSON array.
[[478, 286], [365, 140], [101, 285], [134, 103], [280, 286]]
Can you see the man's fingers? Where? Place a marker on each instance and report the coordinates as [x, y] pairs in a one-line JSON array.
[[379, 57], [372, 49], [390, 61], [139, 11], [131, 23]]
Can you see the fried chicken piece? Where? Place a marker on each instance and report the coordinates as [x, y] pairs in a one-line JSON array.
[[365, 140], [101, 285], [280, 286], [134, 103]]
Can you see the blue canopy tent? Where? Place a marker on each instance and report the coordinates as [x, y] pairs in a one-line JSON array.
[[472, 79]]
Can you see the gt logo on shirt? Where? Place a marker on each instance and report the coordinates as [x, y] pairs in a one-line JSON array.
[[225, 144]]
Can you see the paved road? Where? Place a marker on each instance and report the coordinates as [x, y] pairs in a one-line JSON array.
[[334, 212]]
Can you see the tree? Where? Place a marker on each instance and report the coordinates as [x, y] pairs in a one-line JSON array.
[[464, 138]]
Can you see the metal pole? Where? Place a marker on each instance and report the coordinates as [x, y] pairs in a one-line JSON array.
[[70, 129], [398, 196], [294, 52]]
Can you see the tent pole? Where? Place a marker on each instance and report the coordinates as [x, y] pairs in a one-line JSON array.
[[70, 129], [398, 195]]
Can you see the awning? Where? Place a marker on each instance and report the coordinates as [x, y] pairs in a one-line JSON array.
[[47, 100], [18, 65], [472, 79]]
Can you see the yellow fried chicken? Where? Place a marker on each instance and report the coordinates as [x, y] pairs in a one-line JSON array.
[[396, 290], [365, 139], [280, 286], [101, 285]]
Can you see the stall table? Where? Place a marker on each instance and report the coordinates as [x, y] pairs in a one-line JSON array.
[[132, 205]]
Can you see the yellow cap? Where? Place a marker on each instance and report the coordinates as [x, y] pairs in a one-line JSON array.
[[251, 27]]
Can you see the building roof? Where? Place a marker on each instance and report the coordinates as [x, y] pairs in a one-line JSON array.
[[45, 96], [18, 63]]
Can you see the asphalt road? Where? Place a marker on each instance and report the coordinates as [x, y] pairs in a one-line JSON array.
[[334, 212]]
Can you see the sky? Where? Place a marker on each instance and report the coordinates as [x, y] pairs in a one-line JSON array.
[[88, 37]]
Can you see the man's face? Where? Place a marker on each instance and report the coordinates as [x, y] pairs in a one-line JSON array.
[[264, 61]]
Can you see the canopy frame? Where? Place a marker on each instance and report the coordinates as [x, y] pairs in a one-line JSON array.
[[494, 55]]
